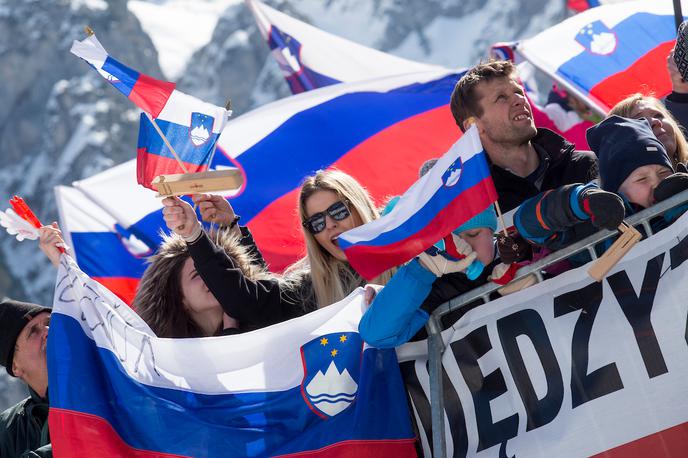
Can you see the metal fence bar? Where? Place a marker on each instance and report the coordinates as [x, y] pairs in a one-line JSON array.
[[436, 345]]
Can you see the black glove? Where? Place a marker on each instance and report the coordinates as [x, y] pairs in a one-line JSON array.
[[606, 209], [513, 248], [671, 185], [681, 167]]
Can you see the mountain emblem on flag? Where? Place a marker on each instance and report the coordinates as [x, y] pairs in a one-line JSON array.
[[331, 365], [135, 246], [597, 38], [452, 175], [201, 128], [286, 50]]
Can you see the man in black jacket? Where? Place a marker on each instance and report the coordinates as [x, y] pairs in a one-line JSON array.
[[524, 160], [23, 339]]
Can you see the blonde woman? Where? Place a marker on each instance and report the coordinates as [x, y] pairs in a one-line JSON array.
[[330, 203], [664, 125]]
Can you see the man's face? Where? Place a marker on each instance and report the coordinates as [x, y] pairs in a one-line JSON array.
[[507, 118], [30, 361]]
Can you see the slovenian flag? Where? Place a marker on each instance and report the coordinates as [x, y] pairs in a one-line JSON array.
[[311, 58], [609, 52], [456, 189], [308, 387], [190, 125]]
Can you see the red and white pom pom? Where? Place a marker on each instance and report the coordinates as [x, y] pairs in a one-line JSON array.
[[504, 273], [17, 226]]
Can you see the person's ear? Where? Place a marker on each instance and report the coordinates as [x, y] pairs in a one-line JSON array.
[[468, 123], [16, 369]]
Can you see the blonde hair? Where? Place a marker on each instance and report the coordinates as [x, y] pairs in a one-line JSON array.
[[159, 299], [626, 107], [331, 278]]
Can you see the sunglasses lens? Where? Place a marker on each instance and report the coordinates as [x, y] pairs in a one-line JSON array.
[[338, 211], [316, 223]]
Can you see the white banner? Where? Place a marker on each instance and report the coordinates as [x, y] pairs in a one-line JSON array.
[[570, 367]]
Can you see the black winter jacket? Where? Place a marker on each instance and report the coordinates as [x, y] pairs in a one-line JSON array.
[[24, 429], [254, 303], [565, 165]]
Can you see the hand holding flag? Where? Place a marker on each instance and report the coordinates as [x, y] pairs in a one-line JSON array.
[[21, 221]]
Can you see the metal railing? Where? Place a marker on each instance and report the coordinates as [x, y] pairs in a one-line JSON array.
[[436, 345]]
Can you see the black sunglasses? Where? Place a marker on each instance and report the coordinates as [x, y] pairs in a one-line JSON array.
[[316, 223]]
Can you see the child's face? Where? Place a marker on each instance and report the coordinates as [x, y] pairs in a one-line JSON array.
[[480, 239], [639, 186]]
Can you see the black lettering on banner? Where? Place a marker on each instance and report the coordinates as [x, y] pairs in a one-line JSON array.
[[420, 400], [586, 387], [678, 253], [452, 407], [454, 411], [484, 388], [638, 310], [529, 323]]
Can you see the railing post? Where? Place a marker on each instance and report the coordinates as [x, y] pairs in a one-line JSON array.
[[435, 350]]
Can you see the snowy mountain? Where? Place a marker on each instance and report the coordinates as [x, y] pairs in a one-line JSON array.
[[60, 122]]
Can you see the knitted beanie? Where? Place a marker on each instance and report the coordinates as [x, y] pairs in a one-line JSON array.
[[623, 145], [14, 315], [487, 218]]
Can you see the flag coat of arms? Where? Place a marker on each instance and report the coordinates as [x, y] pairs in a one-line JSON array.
[[458, 187], [307, 387]]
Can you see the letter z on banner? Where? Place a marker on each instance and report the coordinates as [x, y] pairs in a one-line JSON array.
[[570, 367]]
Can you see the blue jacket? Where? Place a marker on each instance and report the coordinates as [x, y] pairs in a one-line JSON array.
[[403, 306], [396, 314]]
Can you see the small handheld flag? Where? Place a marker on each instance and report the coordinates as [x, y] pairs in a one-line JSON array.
[[21, 221], [456, 189], [177, 133]]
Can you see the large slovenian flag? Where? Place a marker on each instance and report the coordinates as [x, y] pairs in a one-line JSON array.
[[311, 58], [607, 53], [306, 387], [404, 117], [458, 187], [190, 125]]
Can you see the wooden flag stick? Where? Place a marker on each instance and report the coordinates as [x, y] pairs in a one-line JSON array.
[[167, 143], [501, 217], [212, 153], [628, 238]]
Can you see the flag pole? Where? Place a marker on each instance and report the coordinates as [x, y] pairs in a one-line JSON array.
[[228, 107], [501, 217], [167, 143], [678, 14]]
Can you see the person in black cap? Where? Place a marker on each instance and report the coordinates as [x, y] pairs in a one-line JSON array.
[[634, 163], [635, 172], [23, 339]]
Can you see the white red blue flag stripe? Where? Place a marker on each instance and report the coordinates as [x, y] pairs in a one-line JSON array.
[[311, 58], [307, 387], [609, 52], [276, 146], [457, 188], [190, 125], [147, 93]]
